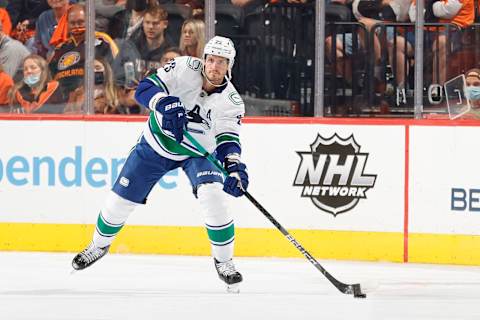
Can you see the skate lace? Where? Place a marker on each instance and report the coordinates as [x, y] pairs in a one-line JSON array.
[[226, 268], [92, 253]]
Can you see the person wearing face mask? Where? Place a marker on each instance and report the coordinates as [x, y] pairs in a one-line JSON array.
[[472, 78], [36, 92], [68, 60], [105, 92], [472, 90]]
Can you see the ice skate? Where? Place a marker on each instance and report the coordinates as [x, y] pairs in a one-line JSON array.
[[88, 256], [227, 273]]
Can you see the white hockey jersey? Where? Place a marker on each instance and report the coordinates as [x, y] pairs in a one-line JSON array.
[[214, 118]]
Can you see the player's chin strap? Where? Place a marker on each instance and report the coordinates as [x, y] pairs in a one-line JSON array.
[[354, 289], [211, 83]]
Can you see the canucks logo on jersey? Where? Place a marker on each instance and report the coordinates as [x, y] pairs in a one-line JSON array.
[[194, 116]]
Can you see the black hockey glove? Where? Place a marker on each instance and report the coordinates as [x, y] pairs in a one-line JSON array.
[[173, 116]]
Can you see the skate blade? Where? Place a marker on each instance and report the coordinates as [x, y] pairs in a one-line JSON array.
[[233, 288]]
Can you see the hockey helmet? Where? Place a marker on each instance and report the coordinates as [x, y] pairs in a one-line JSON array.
[[222, 47]]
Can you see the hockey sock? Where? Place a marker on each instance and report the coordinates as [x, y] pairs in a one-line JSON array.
[[219, 223], [111, 219]]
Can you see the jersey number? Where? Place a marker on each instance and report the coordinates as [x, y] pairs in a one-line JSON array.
[[169, 66]]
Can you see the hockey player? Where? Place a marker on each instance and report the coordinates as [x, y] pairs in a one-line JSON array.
[[196, 95]]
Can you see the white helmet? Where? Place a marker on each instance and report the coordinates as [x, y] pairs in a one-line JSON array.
[[222, 47]]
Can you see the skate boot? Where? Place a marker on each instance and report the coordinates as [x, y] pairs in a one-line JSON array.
[[227, 273], [88, 256]]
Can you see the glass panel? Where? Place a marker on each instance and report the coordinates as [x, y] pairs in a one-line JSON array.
[[453, 60], [369, 60], [148, 35], [275, 46], [37, 68]]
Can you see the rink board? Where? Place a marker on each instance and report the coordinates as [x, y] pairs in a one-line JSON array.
[[65, 166], [444, 210]]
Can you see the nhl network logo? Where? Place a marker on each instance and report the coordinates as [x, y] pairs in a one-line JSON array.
[[331, 174]]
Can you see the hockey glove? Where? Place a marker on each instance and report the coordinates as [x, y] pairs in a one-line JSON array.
[[173, 116], [237, 181]]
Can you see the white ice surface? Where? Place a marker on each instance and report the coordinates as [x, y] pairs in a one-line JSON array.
[[39, 286]]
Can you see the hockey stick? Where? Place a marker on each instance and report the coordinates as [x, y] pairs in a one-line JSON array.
[[354, 289]]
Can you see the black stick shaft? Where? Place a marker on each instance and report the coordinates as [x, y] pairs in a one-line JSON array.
[[342, 287]]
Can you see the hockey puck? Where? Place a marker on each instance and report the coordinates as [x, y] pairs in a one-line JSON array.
[[360, 295]]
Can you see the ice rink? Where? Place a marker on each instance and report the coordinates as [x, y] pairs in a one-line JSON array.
[[140, 287]]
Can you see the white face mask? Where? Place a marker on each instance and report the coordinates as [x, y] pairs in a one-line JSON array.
[[31, 80], [473, 92]]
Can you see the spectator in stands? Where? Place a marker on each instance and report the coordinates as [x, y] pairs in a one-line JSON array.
[[388, 11], [243, 3], [192, 39], [24, 14], [104, 12], [5, 21], [6, 84], [47, 23], [400, 44], [472, 78], [105, 92], [68, 60], [151, 40], [196, 5], [169, 54], [12, 53], [459, 12], [36, 92], [127, 21]]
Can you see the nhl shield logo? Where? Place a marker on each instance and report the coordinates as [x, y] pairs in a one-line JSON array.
[[332, 174]]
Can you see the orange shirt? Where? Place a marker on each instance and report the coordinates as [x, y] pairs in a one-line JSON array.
[[6, 22], [465, 16], [6, 83]]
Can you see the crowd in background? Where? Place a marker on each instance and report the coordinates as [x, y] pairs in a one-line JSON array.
[[42, 53], [42, 47]]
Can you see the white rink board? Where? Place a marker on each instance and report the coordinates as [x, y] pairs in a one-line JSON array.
[[442, 158], [270, 151]]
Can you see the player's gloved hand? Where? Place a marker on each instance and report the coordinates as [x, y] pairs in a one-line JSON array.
[[174, 117], [237, 181]]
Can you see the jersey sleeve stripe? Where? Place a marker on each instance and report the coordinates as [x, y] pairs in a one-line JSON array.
[[167, 143], [227, 137], [227, 133]]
